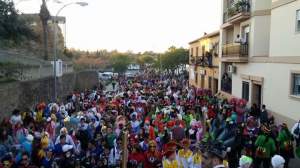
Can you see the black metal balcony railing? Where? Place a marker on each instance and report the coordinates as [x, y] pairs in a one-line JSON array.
[[240, 6], [235, 50]]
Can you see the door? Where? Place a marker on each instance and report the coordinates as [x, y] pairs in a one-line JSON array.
[[202, 81], [257, 94], [215, 86], [209, 82]]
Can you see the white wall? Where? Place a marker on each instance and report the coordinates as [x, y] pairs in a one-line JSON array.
[[284, 41], [275, 89], [261, 4], [259, 36]]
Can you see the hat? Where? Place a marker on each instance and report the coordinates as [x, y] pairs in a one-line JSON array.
[[66, 148], [29, 138], [48, 119], [169, 148], [152, 143], [265, 129], [170, 124], [277, 160], [147, 120], [185, 143], [245, 161]]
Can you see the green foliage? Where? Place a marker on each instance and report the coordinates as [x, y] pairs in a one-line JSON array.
[[174, 58], [12, 26], [120, 62], [142, 60]]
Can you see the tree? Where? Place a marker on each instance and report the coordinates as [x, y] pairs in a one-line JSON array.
[[12, 26], [45, 16], [120, 62], [142, 60], [174, 58]]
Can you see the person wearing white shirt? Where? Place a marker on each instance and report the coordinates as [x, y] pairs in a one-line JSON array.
[[115, 154], [69, 139], [16, 118], [296, 132]]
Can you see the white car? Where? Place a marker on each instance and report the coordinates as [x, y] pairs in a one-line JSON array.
[[130, 75], [105, 75]]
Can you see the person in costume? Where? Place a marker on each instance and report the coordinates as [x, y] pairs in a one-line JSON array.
[[285, 142], [153, 156], [136, 158], [265, 148], [277, 161], [245, 162], [170, 160], [185, 155], [197, 158], [250, 134]]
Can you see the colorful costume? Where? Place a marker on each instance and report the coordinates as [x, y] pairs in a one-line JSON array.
[[185, 155], [197, 160], [170, 160], [152, 156]]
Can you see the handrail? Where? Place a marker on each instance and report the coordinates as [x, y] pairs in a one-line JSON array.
[[235, 50]]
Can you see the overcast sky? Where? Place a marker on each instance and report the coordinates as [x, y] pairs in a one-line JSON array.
[[136, 25]]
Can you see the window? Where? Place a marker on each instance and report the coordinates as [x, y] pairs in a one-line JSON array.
[[203, 50], [197, 50], [298, 21], [245, 91], [191, 52], [196, 78], [296, 84]]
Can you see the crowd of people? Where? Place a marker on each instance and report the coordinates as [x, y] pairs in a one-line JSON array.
[[149, 121]]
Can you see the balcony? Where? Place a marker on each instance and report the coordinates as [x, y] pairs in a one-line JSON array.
[[237, 12], [235, 52]]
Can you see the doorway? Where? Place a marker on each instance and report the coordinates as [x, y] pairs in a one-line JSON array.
[[257, 94], [215, 86], [202, 81]]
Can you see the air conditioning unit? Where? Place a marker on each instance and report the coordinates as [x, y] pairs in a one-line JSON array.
[[231, 69]]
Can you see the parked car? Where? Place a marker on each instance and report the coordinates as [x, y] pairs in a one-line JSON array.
[[130, 74], [105, 75]]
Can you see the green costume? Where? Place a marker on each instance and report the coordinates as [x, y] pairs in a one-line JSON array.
[[284, 138], [265, 145]]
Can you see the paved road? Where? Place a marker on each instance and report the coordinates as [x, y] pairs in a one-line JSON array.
[[110, 88]]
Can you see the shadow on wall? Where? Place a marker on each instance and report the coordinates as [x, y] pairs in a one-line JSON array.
[[26, 94]]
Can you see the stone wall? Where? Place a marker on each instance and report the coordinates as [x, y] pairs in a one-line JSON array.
[[26, 94]]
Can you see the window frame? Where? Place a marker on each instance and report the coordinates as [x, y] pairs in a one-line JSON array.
[[248, 92], [292, 82], [297, 24]]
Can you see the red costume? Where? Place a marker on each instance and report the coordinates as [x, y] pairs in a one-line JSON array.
[[153, 158]]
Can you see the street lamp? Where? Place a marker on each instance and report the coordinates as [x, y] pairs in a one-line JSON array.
[[54, 46]]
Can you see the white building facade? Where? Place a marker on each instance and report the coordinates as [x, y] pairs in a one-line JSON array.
[[260, 54]]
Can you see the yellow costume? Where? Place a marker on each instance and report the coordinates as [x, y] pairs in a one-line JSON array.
[[197, 160], [171, 164], [185, 157], [185, 154]]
